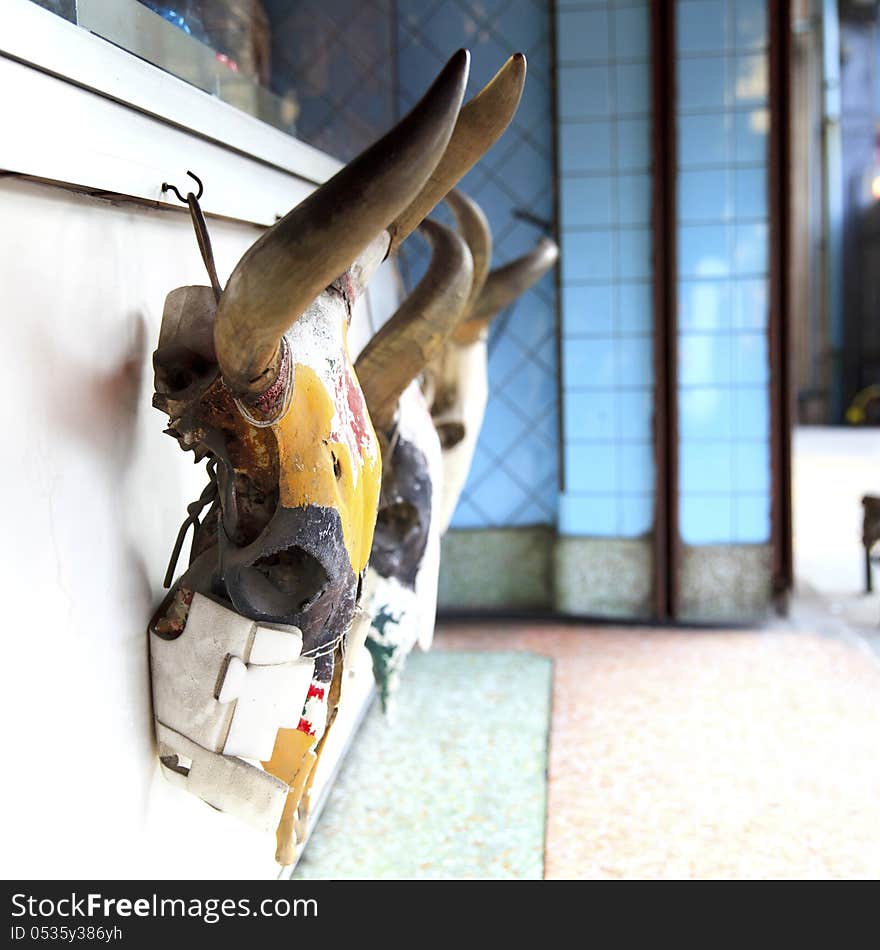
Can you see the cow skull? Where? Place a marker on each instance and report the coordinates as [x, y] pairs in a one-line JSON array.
[[400, 587], [457, 381], [246, 648]]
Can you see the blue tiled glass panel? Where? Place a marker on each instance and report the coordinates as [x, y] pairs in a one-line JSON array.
[[751, 516], [702, 140], [703, 250], [634, 249], [591, 467], [585, 146], [723, 401], [704, 305], [607, 307], [590, 416], [631, 39], [599, 512], [583, 92], [588, 310], [633, 144], [587, 256], [701, 83], [635, 308], [583, 35], [586, 202], [701, 26], [635, 413], [706, 468], [636, 515], [707, 412], [706, 520]]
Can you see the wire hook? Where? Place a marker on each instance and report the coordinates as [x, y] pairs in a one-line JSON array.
[[200, 226], [180, 198]]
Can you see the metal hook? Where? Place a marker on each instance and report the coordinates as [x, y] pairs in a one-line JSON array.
[[195, 178], [200, 227]]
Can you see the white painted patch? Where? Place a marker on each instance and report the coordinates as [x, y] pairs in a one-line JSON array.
[[275, 645], [269, 698], [254, 701], [317, 340], [466, 370], [231, 785], [233, 681], [395, 626]]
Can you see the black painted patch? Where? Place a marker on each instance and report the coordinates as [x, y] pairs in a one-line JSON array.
[[404, 515], [296, 572]]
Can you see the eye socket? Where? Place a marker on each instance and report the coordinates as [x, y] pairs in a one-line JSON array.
[[450, 433], [178, 368], [397, 520]]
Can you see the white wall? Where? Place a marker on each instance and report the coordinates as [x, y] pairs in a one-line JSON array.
[[94, 495]]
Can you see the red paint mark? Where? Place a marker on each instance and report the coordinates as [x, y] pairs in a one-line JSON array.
[[270, 399], [315, 692], [356, 407], [305, 726], [348, 393]]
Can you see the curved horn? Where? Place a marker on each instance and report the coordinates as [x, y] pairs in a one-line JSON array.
[[474, 228], [504, 285], [417, 331], [479, 126], [280, 276]]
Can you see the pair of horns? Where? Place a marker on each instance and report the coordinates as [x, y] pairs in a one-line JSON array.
[[419, 328], [389, 187], [492, 291]]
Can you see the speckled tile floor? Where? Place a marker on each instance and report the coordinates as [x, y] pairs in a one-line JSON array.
[[687, 754], [452, 786]]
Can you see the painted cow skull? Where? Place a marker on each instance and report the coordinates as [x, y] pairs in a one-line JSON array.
[[457, 381], [400, 587]]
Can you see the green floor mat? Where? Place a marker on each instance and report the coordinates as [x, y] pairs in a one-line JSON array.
[[453, 786]]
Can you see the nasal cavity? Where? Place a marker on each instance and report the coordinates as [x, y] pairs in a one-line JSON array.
[[296, 575]]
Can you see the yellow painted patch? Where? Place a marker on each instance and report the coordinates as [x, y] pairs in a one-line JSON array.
[[309, 463], [293, 759]]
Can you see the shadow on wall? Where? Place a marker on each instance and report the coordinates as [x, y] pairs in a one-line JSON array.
[[100, 411]]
